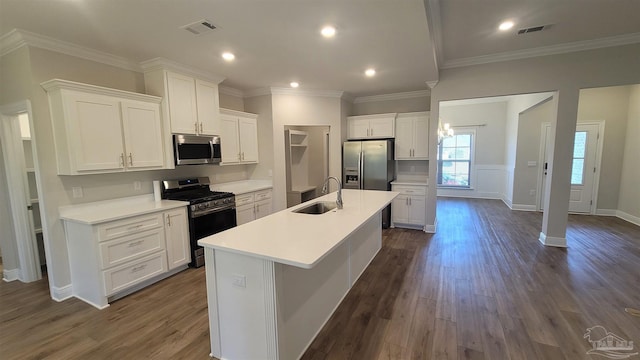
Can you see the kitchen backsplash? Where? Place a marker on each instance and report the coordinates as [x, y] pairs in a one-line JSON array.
[[412, 170]]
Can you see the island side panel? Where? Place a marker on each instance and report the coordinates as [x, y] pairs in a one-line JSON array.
[[212, 302], [364, 245], [245, 289], [307, 298]]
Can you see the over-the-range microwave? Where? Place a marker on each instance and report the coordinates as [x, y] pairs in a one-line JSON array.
[[196, 149]]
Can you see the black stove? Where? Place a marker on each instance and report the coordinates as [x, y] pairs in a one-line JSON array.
[[210, 212]]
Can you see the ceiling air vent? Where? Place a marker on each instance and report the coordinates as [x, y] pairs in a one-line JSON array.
[[533, 29], [199, 27]]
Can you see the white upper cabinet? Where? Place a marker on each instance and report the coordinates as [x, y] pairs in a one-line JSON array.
[[99, 130], [238, 137], [378, 126], [412, 136], [192, 104]]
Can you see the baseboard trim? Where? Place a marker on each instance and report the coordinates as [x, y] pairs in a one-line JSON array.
[[552, 241], [431, 229], [628, 217], [63, 293], [507, 202], [521, 207], [606, 212], [9, 275]]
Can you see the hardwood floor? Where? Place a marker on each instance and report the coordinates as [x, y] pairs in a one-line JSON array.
[[483, 287]]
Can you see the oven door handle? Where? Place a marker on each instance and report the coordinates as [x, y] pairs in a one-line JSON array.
[[207, 212]]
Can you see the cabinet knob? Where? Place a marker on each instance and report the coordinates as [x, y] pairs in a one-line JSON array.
[[196, 125], [201, 128], [121, 159]]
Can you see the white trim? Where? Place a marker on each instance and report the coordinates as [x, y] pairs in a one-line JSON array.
[[522, 207], [598, 162], [9, 275], [541, 152], [628, 217], [606, 212], [230, 91], [55, 84], [552, 241], [257, 92], [394, 96], [434, 23], [63, 293], [166, 64], [507, 201], [619, 40], [430, 229], [17, 38]]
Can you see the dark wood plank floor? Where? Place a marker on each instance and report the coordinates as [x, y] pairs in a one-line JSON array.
[[482, 288]]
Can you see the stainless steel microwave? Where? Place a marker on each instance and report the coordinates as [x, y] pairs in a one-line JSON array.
[[196, 149]]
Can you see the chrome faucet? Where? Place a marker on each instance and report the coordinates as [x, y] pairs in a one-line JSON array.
[[324, 190]]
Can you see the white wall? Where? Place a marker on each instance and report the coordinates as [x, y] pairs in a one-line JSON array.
[[412, 104], [565, 73], [291, 109], [629, 199], [231, 102]]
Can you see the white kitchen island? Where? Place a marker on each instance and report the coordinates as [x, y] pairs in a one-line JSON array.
[[274, 282]]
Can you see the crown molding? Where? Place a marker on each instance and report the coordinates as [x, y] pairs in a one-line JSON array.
[[16, 38], [394, 96], [301, 92], [620, 40], [257, 92], [431, 84], [231, 91], [434, 23], [57, 84], [166, 64]]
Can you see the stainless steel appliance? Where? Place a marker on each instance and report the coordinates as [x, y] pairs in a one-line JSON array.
[[210, 212], [369, 165], [196, 149]]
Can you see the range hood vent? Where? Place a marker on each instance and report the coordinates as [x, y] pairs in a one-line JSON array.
[[533, 29], [199, 27]]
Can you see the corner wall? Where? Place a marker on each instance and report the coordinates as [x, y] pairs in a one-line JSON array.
[[629, 199]]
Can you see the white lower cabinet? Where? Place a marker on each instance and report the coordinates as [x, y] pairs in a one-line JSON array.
[[112, 258], [408, 209], [253, 205]]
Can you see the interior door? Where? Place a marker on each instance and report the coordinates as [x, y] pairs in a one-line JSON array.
[[583, 170]]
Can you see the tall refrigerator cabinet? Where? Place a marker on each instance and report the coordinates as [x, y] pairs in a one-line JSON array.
[[369, 165]]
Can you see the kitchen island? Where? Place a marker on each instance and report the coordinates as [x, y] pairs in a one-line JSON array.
[[273, 283]]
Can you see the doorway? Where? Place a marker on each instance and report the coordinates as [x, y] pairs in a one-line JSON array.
[[585, 171], [23, 243]]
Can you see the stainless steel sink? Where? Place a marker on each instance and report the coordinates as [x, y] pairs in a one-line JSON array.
[[317, 208]]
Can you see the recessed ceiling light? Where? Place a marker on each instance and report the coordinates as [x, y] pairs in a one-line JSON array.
[[294, 84], [506, 25], [370, 72], [228, 56], [328, 31]]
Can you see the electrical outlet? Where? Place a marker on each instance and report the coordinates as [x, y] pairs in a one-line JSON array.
[[270, 173], [532, 192], [77, 192], [239, 280], [136, 185]]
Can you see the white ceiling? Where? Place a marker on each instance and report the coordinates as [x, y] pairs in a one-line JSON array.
[[278, 41]]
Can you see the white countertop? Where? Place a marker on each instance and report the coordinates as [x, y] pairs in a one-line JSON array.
[[109, 210], [301, 240], [242, 187]]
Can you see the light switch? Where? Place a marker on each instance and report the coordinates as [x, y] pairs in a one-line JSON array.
[[532, 163], [77, 192], [239, 280], [136, 185]]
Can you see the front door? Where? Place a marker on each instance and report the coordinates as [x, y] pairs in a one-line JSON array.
[[583, 169]]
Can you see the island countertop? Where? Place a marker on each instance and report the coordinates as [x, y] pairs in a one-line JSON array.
[[301, 240]]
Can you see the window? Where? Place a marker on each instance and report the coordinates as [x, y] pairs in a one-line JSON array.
[[454, 160], [579, 151]]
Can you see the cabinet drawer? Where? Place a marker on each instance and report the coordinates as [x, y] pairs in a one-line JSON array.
[[127, 275], [244, 199], [116, 229], [130, 247], [263, 194], [410, 190]]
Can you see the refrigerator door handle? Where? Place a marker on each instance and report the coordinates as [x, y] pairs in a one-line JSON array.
[[361, 169]]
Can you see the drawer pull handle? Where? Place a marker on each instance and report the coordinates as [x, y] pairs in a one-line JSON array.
[[138, 268], [135, 227], [135, 243]]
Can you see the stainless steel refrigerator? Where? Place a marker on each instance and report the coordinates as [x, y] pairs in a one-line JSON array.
[[369, 165]]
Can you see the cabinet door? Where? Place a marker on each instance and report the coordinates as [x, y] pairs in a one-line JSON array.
[[248, 133], [381, 128], [94, 132], [245, 214], [417, 210], [404, 139], [400, 209], [229, 144], [421, 138], [207, 103], [142, 135], [263, 208], [177, 237], [181, 92], [358, 128]]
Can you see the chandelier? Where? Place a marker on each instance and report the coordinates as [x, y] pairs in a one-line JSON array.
[[444, 131]]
